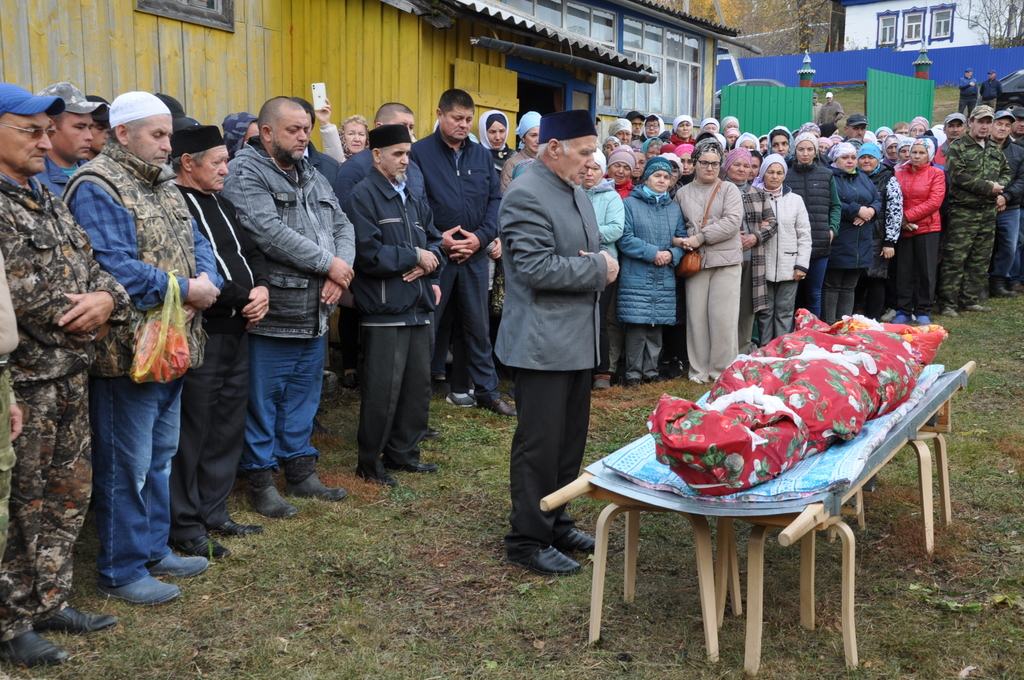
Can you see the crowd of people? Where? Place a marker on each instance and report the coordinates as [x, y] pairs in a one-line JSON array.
[[570, 260]]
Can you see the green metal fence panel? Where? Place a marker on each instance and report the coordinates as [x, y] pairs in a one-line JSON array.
[[760, 109], [892, 98]]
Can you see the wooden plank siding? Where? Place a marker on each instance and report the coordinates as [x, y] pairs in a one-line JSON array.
[[366, 52]]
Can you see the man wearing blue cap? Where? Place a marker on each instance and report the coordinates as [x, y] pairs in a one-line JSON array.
[[968, 92], [555, 268], [63, 301], [1008, 207]]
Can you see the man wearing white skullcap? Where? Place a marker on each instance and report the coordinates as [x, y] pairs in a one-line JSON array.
[[142, 233]]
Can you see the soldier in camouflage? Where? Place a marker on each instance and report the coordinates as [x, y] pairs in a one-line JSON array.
[[978, 173], [143, 234], [63, 302]]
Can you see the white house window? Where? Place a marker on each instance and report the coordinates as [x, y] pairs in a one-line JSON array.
[[912, 24], [886, 30], [674, 56], [213, 13], [942, 24]]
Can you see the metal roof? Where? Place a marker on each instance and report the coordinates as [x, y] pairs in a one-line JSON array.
[[688, 18], [504, 14]]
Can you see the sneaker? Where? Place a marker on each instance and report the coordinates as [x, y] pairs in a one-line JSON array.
[[463, 399], [977, 308], [889, 315], [948, 311], [923, 320], [901, 319]]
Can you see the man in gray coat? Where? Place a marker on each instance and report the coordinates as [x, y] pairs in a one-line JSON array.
[[554, 270]]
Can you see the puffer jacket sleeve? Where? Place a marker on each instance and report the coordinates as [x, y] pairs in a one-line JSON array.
[[614, 219], [934, 196]]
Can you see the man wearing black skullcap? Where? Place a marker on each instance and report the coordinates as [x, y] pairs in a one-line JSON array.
[[398, 267], [555, 269], [214, 396]]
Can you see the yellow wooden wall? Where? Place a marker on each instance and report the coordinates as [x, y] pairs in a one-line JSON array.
[[366, 52]]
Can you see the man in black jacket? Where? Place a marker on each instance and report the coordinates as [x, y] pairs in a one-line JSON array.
[[215, 395], [398, 260], [464, 192], [1008, 205]]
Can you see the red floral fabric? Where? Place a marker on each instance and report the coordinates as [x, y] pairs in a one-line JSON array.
[[814, 386]]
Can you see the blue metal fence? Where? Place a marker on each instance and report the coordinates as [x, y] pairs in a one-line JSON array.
[[836, 67]]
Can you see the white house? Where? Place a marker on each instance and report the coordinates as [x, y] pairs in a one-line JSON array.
[[907, 24]]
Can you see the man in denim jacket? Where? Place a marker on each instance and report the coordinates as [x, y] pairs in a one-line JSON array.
[[293, 216]]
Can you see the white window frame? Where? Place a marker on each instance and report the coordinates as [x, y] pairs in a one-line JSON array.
[[882, 28], [949, 23], [628, 97], [911, 18]]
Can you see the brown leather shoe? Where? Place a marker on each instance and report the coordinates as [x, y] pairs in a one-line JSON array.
[[501, 407], [1016, 286]]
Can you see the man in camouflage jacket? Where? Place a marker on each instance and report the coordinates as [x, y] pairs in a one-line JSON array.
[[63, 301], [978, 173]]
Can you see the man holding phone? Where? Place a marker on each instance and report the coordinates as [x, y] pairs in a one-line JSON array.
[[464, 192]]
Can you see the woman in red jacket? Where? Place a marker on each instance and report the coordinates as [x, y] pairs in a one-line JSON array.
[[924, 187]]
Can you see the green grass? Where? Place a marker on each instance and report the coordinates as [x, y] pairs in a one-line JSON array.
[[411, 583], [852, 99]]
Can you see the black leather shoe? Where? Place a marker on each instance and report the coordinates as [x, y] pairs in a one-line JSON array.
[[202, 546], [548, 562], [383, 479], [32, 649], [575, 541], [431, 433], [412, 467], [501, 407], [233, 528], [70, 620]]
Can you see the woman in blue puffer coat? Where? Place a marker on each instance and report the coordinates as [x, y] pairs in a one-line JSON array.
[[851, 250], [650, 247]]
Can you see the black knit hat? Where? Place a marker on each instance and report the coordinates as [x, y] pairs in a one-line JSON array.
[[566, 125], [389, 135], [195, 139]]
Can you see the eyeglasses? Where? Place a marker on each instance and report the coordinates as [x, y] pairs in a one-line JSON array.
[[34, 133], [709, 165]]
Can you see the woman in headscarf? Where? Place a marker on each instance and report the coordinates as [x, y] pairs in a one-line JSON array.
[[622, 130], [881, 133], [709, 124], [824, 144], [651, 147], [653, 126], [757, 228], [494, 137], [621, 164], [528, 132], [713, 293], [787, 256], [682, 130], [885, 229], [811, 179], [924, 188], [762, 144], [238, 128], [889, 155], [747, 141], [730, 122], [903, 150], [780, 139], [809, 127], [610, 144], [851, 251], [731, 135], [918, 126]]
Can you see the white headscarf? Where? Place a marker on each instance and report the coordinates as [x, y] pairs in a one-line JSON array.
[[661, 124], [484, 141], [710, 120], [618, 125]]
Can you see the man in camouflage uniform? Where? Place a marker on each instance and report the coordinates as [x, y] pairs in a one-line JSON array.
[[978, 172], [63, 302], [10, 414], [142, 232]]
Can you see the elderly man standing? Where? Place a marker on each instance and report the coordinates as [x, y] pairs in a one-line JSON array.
[[293, 216], [142, 234], [63, 301], [555, 269], [70, 146], [215, 395], [978, 173], [831, 111], [398, 255]]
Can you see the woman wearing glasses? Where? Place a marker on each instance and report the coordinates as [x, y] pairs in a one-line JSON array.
[[714, 211]]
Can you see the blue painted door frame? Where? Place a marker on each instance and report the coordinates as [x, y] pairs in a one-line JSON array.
[[549, 75]]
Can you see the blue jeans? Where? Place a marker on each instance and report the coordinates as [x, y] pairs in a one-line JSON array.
[[1007, 228], [810, 287], [134, 436], [1015, 275], [285, 378]]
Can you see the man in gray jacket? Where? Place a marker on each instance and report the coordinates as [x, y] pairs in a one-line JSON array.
[[293, 216], [554, 270]]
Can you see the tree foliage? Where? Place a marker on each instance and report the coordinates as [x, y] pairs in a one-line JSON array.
[[776, 26]]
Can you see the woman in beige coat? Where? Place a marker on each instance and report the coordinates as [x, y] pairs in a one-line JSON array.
[[712, 294]]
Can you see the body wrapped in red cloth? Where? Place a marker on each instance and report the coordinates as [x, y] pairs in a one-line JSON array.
[[791, 399]]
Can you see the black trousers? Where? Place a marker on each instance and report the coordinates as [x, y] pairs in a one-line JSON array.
[[917, 263], [547, 450], [214, 398], [395, 387]]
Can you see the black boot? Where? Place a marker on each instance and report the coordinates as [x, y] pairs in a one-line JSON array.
[[997, 287], [265, 497], [303, 481]]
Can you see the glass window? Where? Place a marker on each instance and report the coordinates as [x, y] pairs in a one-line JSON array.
[[674, 45], [653, 39], [605, 91], [603, 26], [655, 91], [577, 19], [632, 34], [671, 87], [886, 30], [683, 92], [912, 27], [524, 5], [213, 13], [694, 88], [942, 23], [550, 11], [692, 50]]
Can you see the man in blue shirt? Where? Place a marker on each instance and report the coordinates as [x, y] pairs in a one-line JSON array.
[[71, 144], [968, 92], [990, 90]]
